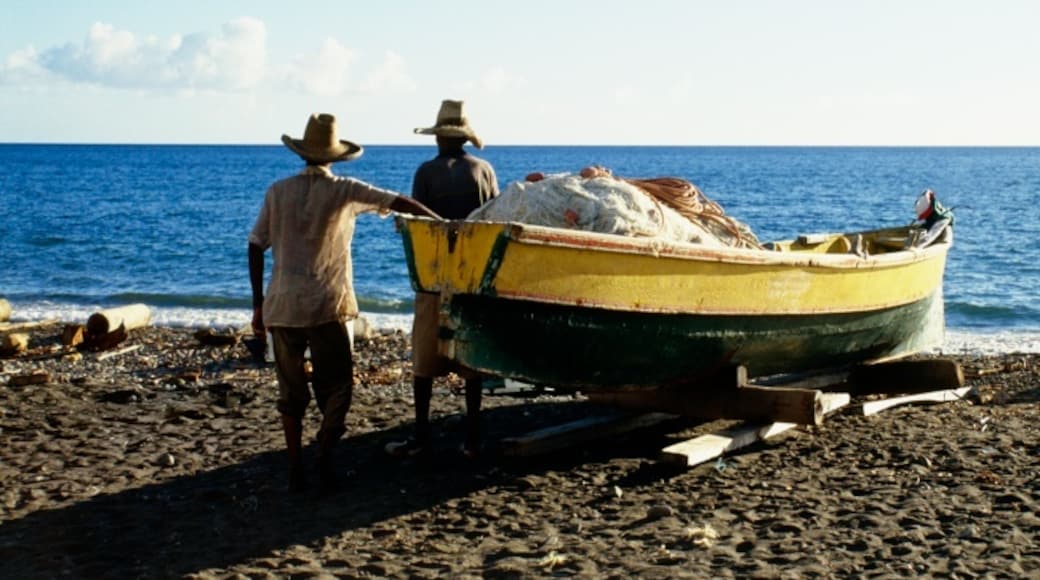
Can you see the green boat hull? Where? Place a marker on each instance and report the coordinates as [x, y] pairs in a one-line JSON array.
[[587, 348]]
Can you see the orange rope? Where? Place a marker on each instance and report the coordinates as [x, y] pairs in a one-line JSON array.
[[690, 202]]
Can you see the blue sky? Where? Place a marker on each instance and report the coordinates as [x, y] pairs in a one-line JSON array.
[[742, 72]]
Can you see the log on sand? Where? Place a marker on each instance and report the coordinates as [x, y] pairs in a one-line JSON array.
[[129, 317], [14, 343]]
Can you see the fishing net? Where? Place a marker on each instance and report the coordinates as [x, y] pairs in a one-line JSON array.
[[667, 208]]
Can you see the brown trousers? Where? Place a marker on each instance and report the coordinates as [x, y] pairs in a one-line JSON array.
[[332, 376], [426, 361]]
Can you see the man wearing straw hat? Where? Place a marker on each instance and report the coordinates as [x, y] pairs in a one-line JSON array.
[[308, 222], [453, 184]]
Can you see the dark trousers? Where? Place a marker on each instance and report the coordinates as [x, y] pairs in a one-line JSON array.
[[332, 376]]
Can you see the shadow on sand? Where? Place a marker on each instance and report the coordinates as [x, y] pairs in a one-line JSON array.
[[217, 518]]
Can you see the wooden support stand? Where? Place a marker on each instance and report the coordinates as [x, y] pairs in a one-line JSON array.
[[906, 376], [700, 449], [799, 406], [771, 406], [568, 434], [942, 396]]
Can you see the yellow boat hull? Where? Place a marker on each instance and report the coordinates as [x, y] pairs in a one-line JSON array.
[[759, 308]]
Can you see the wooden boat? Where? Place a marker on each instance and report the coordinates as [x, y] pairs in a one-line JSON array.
[[588, 311]]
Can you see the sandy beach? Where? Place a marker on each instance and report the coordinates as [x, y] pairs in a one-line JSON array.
[[168, 461]]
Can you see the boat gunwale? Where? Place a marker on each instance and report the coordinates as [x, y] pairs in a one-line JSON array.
[[532, 235], [540, 235], [578, 239]]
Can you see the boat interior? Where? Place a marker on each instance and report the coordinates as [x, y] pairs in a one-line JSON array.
[[870, 243]]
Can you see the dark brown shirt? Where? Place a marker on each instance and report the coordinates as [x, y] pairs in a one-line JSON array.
[[454, 183]]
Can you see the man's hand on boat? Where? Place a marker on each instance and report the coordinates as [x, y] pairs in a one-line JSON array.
[[409, 206]]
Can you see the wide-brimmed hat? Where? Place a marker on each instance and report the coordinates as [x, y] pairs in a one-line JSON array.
[[320, 142], [451, 122]]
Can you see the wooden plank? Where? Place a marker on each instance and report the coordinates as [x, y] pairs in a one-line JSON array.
[[804, 380], [11, 326], [509, 387], [748, 402], [587, 429], [706, 447], [113, 353], [943, 396], [831, 402]]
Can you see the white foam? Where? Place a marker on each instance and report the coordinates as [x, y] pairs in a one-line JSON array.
[[177, 317], [992, 343]]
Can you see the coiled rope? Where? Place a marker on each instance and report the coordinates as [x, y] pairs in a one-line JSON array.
[[690, 202]]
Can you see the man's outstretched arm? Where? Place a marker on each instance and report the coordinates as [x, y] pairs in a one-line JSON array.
[[404, 204]]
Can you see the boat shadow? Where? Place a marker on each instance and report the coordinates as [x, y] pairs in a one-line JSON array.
[[215, 519]]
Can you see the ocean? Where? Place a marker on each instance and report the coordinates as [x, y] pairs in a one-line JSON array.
[[93, 226]]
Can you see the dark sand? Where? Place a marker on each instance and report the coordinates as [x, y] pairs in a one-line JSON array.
[[168, 462]]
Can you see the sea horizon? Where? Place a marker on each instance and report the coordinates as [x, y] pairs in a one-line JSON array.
[[524, 145]]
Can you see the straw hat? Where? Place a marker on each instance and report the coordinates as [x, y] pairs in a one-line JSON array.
[[320, 143], [451, 122]]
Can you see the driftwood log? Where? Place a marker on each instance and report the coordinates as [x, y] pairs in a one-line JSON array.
[[72, 335], [30, 378], [209, 337], [14, 343], [129, 317], [104, 341], [5, 310]]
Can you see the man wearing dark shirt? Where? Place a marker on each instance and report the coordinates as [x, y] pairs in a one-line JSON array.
[[453, 184]]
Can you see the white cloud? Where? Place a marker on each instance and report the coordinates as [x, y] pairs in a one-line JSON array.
[[235, 59], [232, 60], [22, 66], [326, 73], [390, 76], [497, 80]]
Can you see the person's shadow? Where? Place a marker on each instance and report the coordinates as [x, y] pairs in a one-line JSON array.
[[215, 519]]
